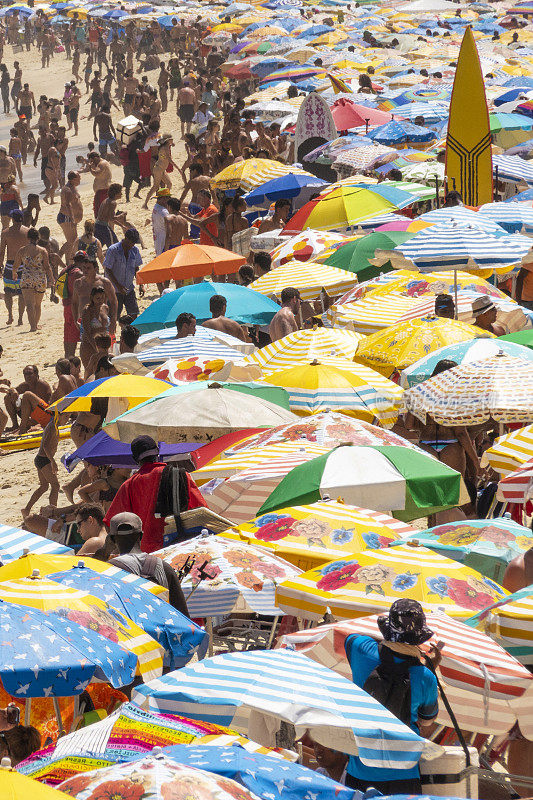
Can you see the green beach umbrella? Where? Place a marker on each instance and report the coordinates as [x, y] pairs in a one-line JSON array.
[[354, 256]]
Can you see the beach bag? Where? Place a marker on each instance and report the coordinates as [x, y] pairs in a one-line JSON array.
[[61, 287], [390, 683], [59, 49]]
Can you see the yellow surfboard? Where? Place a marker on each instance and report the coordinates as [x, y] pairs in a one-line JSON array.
[[468, 144]]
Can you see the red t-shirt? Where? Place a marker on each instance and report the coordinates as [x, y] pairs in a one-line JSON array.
[[139, 494]]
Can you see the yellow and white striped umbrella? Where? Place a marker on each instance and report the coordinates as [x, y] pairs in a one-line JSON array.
[[89, 612], [309, 277], [511, 625], [372, 314], [253, 172], [225, 466], [511, 451], [301, 347], [317, 387]]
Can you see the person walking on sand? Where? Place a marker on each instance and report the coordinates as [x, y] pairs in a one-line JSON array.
[[53, 173], [81, 292], [11, 240], [94, 320], [100, 169], [162, 166], [36, 276], [70, 214], [186, 107], [121, 263]]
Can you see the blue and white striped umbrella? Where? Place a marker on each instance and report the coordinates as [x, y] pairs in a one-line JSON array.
[[431, 112], [461, 216], [513, 169], [458, 247], [15, 541], [254, 691], [513, 217], [201, 349]]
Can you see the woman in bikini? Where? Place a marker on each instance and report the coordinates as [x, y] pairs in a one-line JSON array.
[[53, 173], [161, 167], [94, 320], [35, 276]]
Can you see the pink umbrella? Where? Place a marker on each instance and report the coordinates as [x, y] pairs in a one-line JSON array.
[[347, 114]]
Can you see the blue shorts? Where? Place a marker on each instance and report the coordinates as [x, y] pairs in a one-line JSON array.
[[7, 206]]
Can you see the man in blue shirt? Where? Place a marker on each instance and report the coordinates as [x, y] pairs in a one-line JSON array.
[[121, 263], [403, 630]]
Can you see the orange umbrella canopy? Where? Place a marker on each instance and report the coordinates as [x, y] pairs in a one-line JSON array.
[[190, 261]]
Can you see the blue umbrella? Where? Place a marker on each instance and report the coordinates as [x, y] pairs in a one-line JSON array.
[[514, 218], [100, 450], [267, 65], [257, 773], [48, 656], [180, 637], [525, 196], [396, 132], [513, 168], [116, 13], [315, 30], [244, 305], [290, 185]]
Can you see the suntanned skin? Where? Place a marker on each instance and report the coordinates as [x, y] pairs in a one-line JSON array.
[[11, 240]]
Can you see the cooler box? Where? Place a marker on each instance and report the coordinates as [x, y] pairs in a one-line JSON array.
[[448, 776], [127, 128]]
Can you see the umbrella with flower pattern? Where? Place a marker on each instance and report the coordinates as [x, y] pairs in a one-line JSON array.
[[312, 534], [369, 582], [487, 545], [237, 577], [153, 776]]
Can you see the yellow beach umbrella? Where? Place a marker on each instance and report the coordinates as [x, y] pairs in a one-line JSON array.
[[416, 284], [130, 389], [90, 612], [401, 345], [77, 12], [14, 786], [371, 581], [251, 173], [310, 278], [268, 30], [310, 535], [317, 387], [301, 347], [231, 27]]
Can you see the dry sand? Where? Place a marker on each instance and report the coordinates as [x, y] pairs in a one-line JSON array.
[[17, 471]]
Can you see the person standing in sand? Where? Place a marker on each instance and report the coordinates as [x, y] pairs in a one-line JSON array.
[[11, 240], [35, 277], [15, 148], [100, 169], [81, 293], [186, 107], [9, 199], [7, 165], [70, 214], [176, 225], [53, 173], [161, 167], [108, 217]]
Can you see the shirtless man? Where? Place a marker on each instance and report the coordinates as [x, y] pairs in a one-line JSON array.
[[176, 226], [284, 321], [81, 293], [31, 383], [282, 208], [101, 171], [186, 107], [52, 172], [74, 107], [131, 85], [70, 214], [219, 321], [162, 82], [104, 131], [44, 143], [195, 184], [7, 165], [24, 134], [33, 409], [11, 240], [15, 148], [26, 103], [108, 217]]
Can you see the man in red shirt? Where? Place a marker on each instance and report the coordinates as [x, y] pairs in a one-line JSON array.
[[138, 494]]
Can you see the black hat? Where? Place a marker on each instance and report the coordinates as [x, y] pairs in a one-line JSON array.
[[405, 623], [143, 447]]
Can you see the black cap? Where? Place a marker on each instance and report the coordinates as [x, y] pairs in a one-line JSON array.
[[132, 234], [143, 447]]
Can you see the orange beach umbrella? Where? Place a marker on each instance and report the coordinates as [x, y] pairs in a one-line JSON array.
[[190, 261]]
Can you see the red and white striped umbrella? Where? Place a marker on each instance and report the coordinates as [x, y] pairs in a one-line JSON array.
[[517, 487], [483, 683]]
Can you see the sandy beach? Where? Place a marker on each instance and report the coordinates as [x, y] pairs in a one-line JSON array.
[[17, 471]]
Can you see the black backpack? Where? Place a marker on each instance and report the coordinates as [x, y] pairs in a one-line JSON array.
[[390, 683]]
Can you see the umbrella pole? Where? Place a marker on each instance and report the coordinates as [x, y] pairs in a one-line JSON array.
[[27, 712], [272, 632], [437, 189], [58, 716], [455, 293], [209, 629]]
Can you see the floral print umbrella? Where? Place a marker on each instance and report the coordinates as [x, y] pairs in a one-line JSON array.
[[486, 545], [310, 535], [237, 577], [371, 581], [153, 777]]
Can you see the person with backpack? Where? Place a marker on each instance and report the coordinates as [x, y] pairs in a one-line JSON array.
[[393, 672], [64, 288], [126, 531]]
